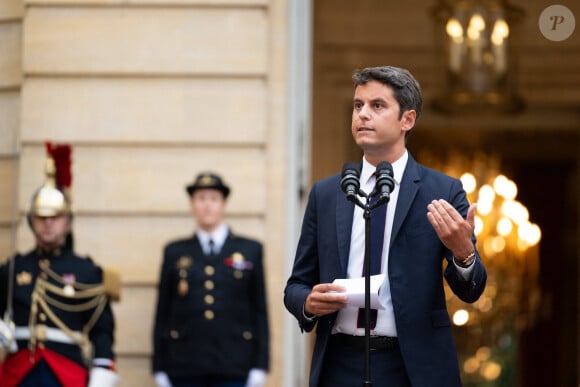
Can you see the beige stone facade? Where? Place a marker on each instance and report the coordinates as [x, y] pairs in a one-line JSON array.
[[148, 93]]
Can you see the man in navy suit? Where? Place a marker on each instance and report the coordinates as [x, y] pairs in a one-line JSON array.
[[428, 220]]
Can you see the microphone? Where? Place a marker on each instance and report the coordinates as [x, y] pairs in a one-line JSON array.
[[385, 182], [349, 182]]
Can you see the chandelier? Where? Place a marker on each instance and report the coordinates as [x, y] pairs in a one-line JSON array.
[[487, 331], [474, 37]]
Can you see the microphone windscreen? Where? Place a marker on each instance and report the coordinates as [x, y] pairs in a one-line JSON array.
[[350, 168], [350, 179]]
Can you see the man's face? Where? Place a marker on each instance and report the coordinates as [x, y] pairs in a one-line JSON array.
[[208, 208], [50, 231], [376, 127]]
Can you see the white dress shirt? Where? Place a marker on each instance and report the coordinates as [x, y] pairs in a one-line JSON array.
[[346, 321]]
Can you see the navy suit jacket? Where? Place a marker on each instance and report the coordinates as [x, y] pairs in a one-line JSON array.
[[415, 271]]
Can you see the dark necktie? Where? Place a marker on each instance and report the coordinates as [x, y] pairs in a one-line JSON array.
[[211, 247], [377, 236]]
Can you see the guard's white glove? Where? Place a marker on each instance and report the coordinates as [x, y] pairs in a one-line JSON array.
[[7, 340], [162, 380], [102, 377], [256, 378]]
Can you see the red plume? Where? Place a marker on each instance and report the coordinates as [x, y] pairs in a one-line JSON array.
[[61, 154]]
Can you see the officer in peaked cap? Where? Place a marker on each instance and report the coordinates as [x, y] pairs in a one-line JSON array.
[[57, 302], [211, 322]]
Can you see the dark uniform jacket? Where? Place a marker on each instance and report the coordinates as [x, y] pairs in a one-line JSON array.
[[211, 316], [65, 263]]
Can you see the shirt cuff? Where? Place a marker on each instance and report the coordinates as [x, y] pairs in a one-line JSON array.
[[464, 272], [306, 317]]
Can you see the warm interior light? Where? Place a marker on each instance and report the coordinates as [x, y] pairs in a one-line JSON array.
[[476, 22], [486, 193], [505, 187], [478, 225], [497, 244], [484, 304], [516, 211], [501, 28], [504, 226], [471, 365], [483, 353], [490, 370], [460, 317], [530, 233], [454, 29], [469, 182]]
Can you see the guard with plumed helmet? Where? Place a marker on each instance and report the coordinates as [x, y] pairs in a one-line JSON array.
[[58, 326]]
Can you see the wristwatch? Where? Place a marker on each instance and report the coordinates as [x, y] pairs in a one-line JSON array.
[[467, 261]]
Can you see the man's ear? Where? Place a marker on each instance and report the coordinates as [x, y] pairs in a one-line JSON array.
[[408, 120]]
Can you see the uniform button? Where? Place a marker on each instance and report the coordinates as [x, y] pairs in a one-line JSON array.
[[174, 334], [208, 314], [209, 285], [238, 274], [209, 270], [209, 299], [182, 273], [247, 335]]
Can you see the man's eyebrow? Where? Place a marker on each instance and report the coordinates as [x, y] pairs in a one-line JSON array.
[[377, 99]]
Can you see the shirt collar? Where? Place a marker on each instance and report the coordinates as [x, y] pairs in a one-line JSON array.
[[398, 168], [218, 235]]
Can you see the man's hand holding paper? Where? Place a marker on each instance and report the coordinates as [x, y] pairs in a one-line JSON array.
[[355, 290]]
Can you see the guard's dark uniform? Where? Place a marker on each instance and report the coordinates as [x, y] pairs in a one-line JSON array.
[[49, 304], [57, 320], [211, 314]]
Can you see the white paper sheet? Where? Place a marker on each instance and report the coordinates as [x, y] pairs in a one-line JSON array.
[[355, 290]]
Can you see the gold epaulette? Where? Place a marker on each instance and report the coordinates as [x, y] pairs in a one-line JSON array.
[[112, 283]]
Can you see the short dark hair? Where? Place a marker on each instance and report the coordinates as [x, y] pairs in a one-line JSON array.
[[406, 89]]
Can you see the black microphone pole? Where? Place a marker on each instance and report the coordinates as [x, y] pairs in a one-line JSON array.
[[384, 185], [367, 271], [350, 184]]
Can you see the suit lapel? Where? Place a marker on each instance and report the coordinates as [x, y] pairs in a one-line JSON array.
[[409, 186], [344, 215]]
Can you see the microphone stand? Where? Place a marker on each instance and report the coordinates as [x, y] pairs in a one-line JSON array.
[[367, 208]]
